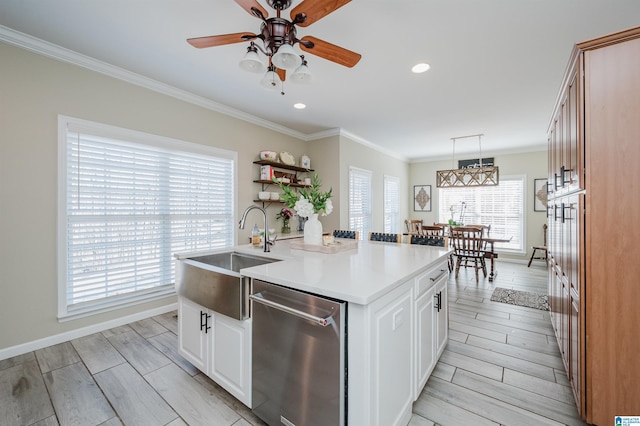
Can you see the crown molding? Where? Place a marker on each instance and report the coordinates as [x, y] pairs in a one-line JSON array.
[[62, 54], [50, 50]]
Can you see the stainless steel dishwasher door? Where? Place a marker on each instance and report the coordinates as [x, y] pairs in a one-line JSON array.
[[298, 357]]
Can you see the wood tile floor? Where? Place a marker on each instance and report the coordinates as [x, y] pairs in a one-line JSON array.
[[501, 366]]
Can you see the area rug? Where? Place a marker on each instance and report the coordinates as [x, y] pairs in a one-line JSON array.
[[520, 298]]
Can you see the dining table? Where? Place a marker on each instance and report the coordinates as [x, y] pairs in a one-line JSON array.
[[489, 254], [492, 255]]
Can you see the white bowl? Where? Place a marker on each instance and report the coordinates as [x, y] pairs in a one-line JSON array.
[[275, 196], [264, 195], [268, 155]]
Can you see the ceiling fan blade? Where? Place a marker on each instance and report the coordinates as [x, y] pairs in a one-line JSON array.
[[252, 4], [219, 40], [329, 51], [282, 74], [316, 10]]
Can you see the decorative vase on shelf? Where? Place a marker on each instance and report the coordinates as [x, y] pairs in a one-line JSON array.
[[285, 227], [313, 230]]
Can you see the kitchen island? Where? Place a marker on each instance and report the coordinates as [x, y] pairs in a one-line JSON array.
[[396, 326]]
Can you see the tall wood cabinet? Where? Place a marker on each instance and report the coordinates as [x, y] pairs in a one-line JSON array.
[[594, 225]]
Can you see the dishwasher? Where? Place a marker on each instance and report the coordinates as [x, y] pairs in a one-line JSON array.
[[299, 352]]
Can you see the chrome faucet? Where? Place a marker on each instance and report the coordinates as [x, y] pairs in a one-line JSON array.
[[267, 243]]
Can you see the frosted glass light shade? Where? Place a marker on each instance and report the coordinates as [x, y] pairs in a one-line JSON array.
[[286, 58], [302, 75], [270, 80], [252, 63]]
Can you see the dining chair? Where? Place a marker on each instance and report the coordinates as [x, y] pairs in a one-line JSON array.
[[385, 237], [427, 240], [543, 249], [354, 235], [445, 226], [468, 247], [413, 225], [432, 231], [446, 231]]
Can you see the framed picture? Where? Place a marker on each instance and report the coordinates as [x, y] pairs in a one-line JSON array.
[[421, 198], [540, 195]]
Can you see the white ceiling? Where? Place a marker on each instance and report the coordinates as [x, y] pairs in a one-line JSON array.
[[496, 64]]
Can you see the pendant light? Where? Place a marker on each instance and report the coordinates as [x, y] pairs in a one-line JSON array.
[[476, 176]]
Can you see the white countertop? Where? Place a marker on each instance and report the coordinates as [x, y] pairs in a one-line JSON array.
[[359, 275]]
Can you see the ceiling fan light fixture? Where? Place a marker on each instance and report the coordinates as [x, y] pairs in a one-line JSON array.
[[302, 74], [271, 80], [251, 61], [286, 58]]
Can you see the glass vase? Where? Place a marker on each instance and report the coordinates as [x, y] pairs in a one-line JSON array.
[[313, 230], [285, 227]]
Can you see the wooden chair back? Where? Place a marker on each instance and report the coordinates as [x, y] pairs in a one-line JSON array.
[[354, 235], [469, 249], [413, 225], [486, 229], [445, 226], [467, 241], [432, 231], [384, 237]]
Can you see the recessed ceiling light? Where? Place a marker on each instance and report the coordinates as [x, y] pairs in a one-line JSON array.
[[299, 105], [421, 67]]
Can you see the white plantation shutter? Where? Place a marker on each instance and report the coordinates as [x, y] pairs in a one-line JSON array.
[[391, 203], [128, 208], [360, 201], [500, 206]]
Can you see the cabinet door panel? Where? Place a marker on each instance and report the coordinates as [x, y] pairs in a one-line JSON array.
[[442, 317], [231, 357], [393, 361], [425, 338], [191, 340]]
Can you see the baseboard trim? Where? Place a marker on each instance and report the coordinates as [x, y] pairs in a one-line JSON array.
[[81, 332]]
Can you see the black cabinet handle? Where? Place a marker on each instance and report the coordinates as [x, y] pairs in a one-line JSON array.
[[204, 321], [438, 298]]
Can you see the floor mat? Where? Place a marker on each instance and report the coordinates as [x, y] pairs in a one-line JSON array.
[[520, 298]]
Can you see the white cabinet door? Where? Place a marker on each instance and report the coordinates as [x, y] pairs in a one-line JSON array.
[[426, 317], [231, 356], [393, 357], [442, 315], [193, 331]]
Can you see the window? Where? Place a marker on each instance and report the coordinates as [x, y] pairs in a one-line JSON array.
[[391, 203], [360, 201], [500, 206], [128, 202]]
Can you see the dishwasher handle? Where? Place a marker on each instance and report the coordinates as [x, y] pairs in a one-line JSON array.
[[259, 298]]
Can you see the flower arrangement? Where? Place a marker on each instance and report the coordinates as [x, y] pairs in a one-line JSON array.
[[309, 200], [285, 214]]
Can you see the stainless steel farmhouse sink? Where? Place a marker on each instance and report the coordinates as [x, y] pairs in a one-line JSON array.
[[214, 281]]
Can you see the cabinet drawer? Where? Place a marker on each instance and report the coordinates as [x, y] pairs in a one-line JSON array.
[[428, 279]]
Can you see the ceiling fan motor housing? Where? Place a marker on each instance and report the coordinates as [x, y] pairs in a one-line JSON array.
[[279, 4], [276, 32]]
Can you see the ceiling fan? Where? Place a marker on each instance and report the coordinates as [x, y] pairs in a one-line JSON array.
[[279, 36]]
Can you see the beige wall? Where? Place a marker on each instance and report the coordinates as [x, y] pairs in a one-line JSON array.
[[34, 90], [532, 164], [354, 154]]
